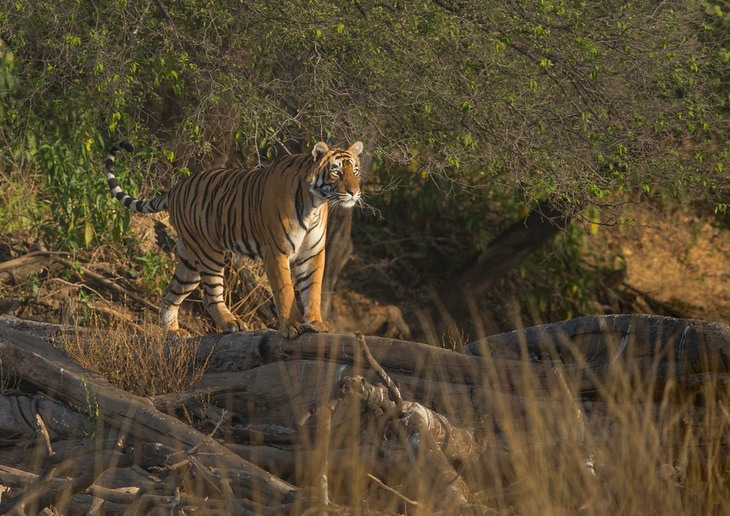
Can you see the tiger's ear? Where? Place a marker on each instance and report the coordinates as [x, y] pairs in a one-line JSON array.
[[356, 148], [320, 149]]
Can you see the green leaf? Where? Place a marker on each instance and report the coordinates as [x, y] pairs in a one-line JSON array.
[[88, 233]]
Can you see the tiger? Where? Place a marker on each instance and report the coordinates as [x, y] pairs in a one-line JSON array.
[[277, 213]]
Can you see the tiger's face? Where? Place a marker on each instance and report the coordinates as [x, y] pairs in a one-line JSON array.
[[338, 174]]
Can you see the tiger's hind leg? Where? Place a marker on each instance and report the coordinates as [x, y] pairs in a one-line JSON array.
[[212, 277], [184, 281]]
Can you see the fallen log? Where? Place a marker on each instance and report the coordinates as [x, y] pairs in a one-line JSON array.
[[19, 268], [41, 493], [242, 351], [17, 418], [653, 350], [61, 378], [16, 480], [588, 350]]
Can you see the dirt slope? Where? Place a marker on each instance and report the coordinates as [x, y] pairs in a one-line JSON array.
[[680, 259]]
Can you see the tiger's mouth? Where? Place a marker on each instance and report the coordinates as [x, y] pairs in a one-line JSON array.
[[349, 203], [344, 200]]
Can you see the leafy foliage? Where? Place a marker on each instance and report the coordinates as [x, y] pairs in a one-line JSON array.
[[155, 269], [468, 81]]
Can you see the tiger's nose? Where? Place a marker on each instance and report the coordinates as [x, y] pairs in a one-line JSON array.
[[353, 191]]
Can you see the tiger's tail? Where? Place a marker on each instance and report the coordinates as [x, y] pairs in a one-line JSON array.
[[154, 205]]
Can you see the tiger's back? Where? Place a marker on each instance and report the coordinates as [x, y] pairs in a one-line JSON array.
[[277, 213]]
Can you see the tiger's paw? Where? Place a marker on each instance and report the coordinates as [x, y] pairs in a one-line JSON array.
[[234, 326], [291, 330], [176, 335], [318, 327]]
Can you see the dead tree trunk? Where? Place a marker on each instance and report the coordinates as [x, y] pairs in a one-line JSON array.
[[455, 310]]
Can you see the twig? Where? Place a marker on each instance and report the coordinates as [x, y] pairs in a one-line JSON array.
[[50, 463], [390, 489], [389, 384], [209, 437], [206, 475], [44, 434], [232, 505], [319, 458], [322, 485], [578, 426]]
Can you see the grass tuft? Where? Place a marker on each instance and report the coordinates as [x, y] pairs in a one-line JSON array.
[[136, 358]]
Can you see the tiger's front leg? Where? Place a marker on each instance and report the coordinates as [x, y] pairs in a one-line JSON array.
[[309, 274], [279, 273]]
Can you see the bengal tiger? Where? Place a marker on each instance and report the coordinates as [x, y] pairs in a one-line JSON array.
[[276, 212]]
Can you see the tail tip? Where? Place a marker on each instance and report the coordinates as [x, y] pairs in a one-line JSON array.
[[122, 144]]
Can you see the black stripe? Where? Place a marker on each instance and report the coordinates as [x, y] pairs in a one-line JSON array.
[[187, 264], [276, 244], [321, 237], [299, 204], [204, 256], [236, 220], [254, 198], [159, 203], [286, 234], [302, 261], [181, 282], [180, 294], [303, 289], [302, 279]]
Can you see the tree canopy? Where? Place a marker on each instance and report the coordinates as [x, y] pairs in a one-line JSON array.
[[572, 102]]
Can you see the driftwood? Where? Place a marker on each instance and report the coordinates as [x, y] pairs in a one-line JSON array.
[[326, 422]]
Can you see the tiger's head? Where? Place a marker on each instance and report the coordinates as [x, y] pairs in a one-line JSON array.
[[337, 177]]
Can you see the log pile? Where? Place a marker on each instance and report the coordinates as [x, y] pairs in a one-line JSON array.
[[351, 423]]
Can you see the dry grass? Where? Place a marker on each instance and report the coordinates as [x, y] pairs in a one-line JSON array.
[[650, 451], [19, 206], [136, 358], [634, 450]]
